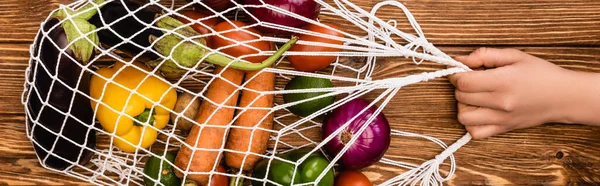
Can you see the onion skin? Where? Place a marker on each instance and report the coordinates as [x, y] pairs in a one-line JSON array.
[[369, 147], [307, 8]]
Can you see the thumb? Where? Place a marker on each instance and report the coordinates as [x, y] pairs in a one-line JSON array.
[[484, 131], [492, 57]]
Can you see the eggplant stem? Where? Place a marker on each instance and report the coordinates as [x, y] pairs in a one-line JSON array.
[[222, 60], [82, 49], [183, 53], [170, 23], [87, 11]]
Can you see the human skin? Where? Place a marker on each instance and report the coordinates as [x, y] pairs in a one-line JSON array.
[[509, 89]]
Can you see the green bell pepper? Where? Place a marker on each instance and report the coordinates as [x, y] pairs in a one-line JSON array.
[[281, 172]]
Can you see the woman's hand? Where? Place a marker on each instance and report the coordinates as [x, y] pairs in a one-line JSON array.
[[516, 90]]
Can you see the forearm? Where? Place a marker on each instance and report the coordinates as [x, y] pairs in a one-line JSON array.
[[584, 107]]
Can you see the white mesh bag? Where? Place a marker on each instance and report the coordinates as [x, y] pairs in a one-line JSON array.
[[108, 83]]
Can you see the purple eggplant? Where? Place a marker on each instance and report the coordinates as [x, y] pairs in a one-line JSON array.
[[115, 14], [60, 118], [116, 24]]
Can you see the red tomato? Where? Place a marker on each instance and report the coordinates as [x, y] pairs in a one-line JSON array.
[[352, 178], [195, 15], [315, 63], [236, 49], [220, 180]]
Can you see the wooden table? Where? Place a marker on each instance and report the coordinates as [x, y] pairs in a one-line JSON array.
[[565, 32]]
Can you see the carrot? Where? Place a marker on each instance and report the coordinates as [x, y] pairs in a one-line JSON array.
[[203, 161], [239, 139]]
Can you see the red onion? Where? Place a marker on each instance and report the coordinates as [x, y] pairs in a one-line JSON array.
[[307, 8], [369, 147]]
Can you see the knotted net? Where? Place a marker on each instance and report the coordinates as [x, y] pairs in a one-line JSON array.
[[69, 141]]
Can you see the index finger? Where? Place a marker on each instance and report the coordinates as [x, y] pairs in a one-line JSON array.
[[492, 57]]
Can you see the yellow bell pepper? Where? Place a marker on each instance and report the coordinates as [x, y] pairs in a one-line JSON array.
[[137, 131]]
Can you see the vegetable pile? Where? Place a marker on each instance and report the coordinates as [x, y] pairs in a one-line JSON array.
[[134, 101]]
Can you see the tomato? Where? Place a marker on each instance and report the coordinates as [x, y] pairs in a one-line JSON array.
[[236, 49], [195, 15], [220, 180], [352, 178], [315, 63]]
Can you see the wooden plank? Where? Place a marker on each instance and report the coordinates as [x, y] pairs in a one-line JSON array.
[[455, 22], [553, 154], [26, 171]]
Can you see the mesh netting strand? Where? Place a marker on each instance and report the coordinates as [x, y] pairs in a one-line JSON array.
[[376, 43]]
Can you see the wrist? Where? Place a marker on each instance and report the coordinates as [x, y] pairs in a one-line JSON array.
[[581, 99]]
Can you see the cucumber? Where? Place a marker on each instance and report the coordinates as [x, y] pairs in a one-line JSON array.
[[167, 175]]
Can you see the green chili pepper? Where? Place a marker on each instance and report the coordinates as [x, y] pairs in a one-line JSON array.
[[307, 171]]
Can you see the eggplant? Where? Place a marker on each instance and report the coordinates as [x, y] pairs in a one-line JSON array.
[[61, 140], [115, 23], [126, 28]]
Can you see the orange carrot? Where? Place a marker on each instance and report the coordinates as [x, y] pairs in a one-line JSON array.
[[203, 161], [239, 139]]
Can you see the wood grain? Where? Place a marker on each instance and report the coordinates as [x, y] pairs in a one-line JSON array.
[[445, 22], [566, 33]]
